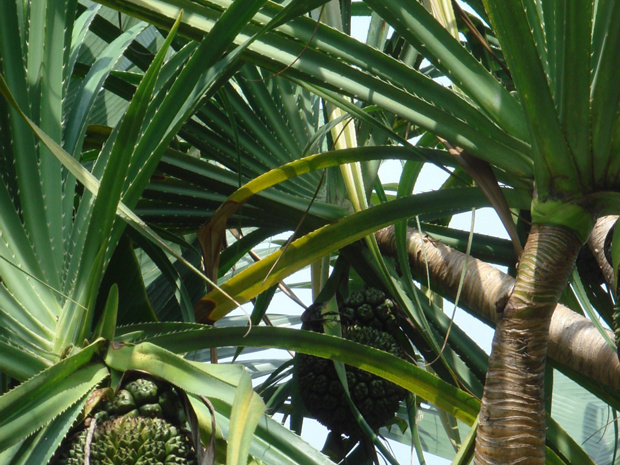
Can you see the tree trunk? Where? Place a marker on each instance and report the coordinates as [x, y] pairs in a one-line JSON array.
[[574, 342], [512, 424]]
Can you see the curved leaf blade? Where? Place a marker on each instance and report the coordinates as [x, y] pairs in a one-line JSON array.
[[40, 447], [454, 401], [309, 248]]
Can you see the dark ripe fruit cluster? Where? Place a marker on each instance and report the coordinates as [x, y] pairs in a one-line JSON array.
[[366, 317], [369, 308]]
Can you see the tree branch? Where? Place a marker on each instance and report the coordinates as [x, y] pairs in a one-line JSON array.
[[574, 342]]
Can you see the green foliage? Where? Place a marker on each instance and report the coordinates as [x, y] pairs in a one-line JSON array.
[[165, 120]]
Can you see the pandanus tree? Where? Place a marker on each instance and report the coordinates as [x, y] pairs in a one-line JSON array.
[[555, 131], [234, 124], [563, 84], [533, 99]]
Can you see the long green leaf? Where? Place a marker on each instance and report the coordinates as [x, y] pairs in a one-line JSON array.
[[18, 362], [41, 446], [121, 151], [410, 172], [413, 22], [555, 169], [80, 30], [23, 327], [49, 31], [13, 47], [588, 309], [422, 383], [44, 397], [605, 93], [405, 374], [566, 445], [247, 410], [210, 380], [196, 337], [91, 86], [309, 248], [273, 443], [318, 162], [20, 269], [466, 451], [102, 216], [574, 37], [544, 23], [107, 323]]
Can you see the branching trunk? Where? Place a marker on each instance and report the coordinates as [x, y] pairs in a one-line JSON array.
[[574, 342], [512, 424]]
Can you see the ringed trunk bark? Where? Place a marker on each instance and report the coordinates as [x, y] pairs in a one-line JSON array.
[[597, 241], [511, 427]]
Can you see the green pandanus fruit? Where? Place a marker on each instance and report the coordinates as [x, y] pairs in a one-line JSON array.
[[143, 424]]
